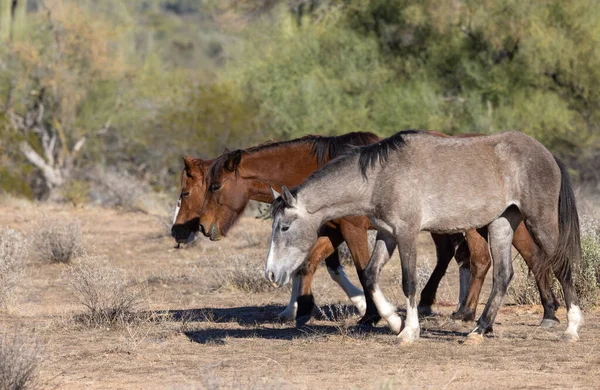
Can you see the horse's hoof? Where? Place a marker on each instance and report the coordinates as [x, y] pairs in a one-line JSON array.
[[369, 320], [425, 311], [461, 315], [287, 315], [395, 324], [474, 339], [301, 321], [569, 337], [360, 303], [408, 336], [549, 323]]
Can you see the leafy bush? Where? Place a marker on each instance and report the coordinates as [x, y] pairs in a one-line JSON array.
[[57, 239], [13, 251], [109, 296]]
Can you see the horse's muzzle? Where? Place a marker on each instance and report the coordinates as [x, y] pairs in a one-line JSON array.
[[214, 233]]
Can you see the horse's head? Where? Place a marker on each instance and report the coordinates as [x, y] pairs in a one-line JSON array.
[[294, 234], [186, 221], [227, 196]]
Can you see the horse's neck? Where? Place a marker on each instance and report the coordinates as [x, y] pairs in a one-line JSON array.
[[286, 165], [341, 192]]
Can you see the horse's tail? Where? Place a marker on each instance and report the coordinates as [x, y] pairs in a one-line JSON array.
[[568, 248]]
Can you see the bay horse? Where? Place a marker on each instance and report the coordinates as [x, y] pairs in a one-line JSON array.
[[402, 184], [193, 186], [242, 175]]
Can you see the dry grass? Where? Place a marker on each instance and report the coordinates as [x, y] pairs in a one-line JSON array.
[[13, 252], [109, 296], [242, 274], [20, 358], [587, 274], [57, 239]]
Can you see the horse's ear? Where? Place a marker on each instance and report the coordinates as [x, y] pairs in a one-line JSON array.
[[287, 196], [274, 193], [190, 165], [233, 160]]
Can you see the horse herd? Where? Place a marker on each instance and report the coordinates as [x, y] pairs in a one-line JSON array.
[[476, 195]]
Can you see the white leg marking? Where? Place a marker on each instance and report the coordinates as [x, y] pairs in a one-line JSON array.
[[289, 314], [465, 281], [356, 295], [575, 320], [411, 330], [387, 311]]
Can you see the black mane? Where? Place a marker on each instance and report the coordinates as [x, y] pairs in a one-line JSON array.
[[335, 146], [369, 155], [323, 147]]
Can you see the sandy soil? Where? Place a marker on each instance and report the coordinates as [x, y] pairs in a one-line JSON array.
[[206, 334]]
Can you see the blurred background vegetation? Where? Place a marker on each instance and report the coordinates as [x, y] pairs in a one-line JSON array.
[[129, 86]]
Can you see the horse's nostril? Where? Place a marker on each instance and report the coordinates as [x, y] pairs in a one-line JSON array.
[[270, 276]]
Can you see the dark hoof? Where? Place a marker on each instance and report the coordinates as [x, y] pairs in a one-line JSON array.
[[302, 321], [463, 315], [425, 311], [549, 323], [369, 320]]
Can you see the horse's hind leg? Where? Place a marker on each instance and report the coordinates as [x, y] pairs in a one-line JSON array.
[[480, 262], [500, 236], [384, 247], [546, 236], [534, 257], [444, 249]]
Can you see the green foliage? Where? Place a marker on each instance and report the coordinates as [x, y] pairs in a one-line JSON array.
[[385, 65], [149, 80]]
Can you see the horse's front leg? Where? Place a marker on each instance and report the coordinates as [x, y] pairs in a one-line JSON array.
[[301, 299], [384, 247], [444, 250], [305, 302], [407, 247], [480, 263]]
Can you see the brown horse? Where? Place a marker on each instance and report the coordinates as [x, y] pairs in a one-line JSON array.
[[239, 176], [193, 187]]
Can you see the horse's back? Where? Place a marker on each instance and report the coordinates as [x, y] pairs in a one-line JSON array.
[[452, 178]]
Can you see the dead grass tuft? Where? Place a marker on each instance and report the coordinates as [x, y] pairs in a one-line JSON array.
[[20, 358], [57, 239], [108, 294], [13, 252], [243, 275]]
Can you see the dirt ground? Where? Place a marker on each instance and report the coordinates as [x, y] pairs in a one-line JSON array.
[[206, 334]]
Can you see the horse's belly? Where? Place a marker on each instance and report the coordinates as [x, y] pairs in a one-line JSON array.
[[462, 215]]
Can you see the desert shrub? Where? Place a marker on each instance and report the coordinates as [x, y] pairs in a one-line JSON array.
[[20, 358], [57, 239], [587, 273], [242, 274], [110, 297], [120, 190], [77, 192], [13, 251]]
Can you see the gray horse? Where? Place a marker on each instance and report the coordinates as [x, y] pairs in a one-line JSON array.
[[415, 181]]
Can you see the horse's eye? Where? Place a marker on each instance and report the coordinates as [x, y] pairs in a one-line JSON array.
[[285, 228], [215, 187], [185, 194]]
